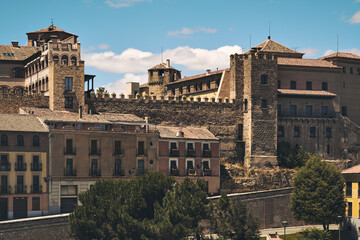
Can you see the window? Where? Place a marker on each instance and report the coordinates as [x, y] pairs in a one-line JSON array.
[[68, 84], [308, 85], [69, 190], [118, 147], [328, 149], [4, 140], [94, 168], [312, 132], [308, 110], [20, 140], [240, 129], [292, 84], [174, 151], [349, 210], [263, 103], [64, 60], [328, 132], [141, 167], [358, 71], [279, 109], [206, 150], [69, 170], [351, 70], [94, 147], [190, 150], [36, 141], [36, 203], [264, 79], [293, 110], [208, 84], [117, 170], [36, 165], [141, 148], [246, 105], [35, 187], [56, 59], [281, 131], [19, 73], [73, 61], [174, 171], [20, 188], [344, 111], [190, 167], [69, 146], [324, 110], [344, 69], [4, 185], [296, 132], [278, 84], [68, 102], [324, 86], [20, 165], [4, 164]]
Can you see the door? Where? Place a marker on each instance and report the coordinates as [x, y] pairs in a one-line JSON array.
[[141, 167], [3, 208], [68, 204], [20, 207]]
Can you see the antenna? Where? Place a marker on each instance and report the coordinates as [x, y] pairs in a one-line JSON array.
[[269, 36], [337, 44], [250, 41], [161, 54], [52, 22]]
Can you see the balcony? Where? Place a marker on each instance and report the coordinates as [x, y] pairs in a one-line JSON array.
[[36, 188], [5, 167], [96, 151], [207, 172], [5, 190], [191, 172], [174, 152], [20, 167], [141, 153], [95, 172], [140, 172], [69, 151], [36, 167], [119, 172], [69, 172], [119, 152], [191, 153], [174, 172], [206, 153], [20, 189]]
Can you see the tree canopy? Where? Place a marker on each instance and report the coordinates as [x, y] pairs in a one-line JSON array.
[[318, 196], [288, 158]]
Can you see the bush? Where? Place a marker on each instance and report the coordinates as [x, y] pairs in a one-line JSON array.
[[316, 234]]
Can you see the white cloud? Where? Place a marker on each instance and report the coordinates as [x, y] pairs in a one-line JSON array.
[[355, 18], [328, 52], [123, 3], [103, 46], [349, 50], [309, 52], [119, 86], [136, 61], [188, 31]]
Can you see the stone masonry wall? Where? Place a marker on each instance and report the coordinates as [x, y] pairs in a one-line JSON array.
[[12, 102]]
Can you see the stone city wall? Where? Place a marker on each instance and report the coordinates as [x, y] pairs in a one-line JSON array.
[[10, 103]]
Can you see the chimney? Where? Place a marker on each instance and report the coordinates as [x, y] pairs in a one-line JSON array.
[[180, 133], [208, 71], [15, 44], [167, 62], [147, 124], [80, 111]]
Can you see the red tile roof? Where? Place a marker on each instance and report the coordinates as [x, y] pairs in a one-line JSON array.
[[20, 53], [354, 169], [189, 132], [272, 46], [305, 62], [341, 55], [21, 123], [51, 28], [162, 66], [199, 76], [298, 92]]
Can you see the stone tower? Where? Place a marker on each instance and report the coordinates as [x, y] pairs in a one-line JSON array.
[[254, 83]]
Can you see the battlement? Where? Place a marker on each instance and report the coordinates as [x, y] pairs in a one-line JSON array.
[[253, 55]]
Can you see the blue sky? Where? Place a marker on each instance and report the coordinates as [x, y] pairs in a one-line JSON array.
[[121, 39]]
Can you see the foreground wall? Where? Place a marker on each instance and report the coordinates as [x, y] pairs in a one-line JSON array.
[[10, 103]]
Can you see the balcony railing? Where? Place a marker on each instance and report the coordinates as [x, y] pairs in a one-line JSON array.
[[95, 151], [141, 152], [94, 172], [19, 189], [69, 151], [20, 167], [174, 172], [191, 153], [5, 167], [36, 167], [191, 172], [207, 172], [5, 190], [119, 152], [174, 152], [36, 188], [119, 172], [206, 153], [69, 172], [140, 172]]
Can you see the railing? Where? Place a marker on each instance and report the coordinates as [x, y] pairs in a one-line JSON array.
[[5, 190], [191, 172], [20, 189], [174, 172], [174, 152], [69, 172], [5, 167], [94, 172], [119, 172], [191, 153], [69, 151], [143, 152], [119, 152], [140, 172], [20, 167], [36, 188], [36, 167], [96, 151], [207, 172], [206, 153]]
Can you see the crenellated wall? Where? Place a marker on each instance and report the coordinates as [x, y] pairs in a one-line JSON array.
[[10, 103]]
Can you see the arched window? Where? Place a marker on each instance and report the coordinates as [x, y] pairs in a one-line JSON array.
[[64, 60], [20, 140], [73, 61], [36, 141], [4, 140], [56, 59]]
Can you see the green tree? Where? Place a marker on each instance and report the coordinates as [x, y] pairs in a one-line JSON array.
[[318, 196], [316, 234], [102, 91], [232, 220], [288, 158]]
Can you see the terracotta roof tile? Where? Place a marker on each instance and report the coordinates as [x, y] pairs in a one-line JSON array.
[[272, 46], [51, 28], [341, 55], [21, 123], [299, 92], [20, 53], [354, 169], [162, 66], [305, 62], [189, 132], [199, 76]]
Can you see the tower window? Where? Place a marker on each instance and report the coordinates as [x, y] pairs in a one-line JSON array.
[[263, 103], [68, 84], [308, 85], [296, 132], [64, 60], [292, 84], [73, 61], [264, 79], [56, 59], [324, 86], [69, 102], [344, 111], [312, 132]]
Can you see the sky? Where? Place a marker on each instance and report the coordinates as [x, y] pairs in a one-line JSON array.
[[121, 39]]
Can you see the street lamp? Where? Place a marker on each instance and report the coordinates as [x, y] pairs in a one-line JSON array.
[[339, 217], [284, 223]]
